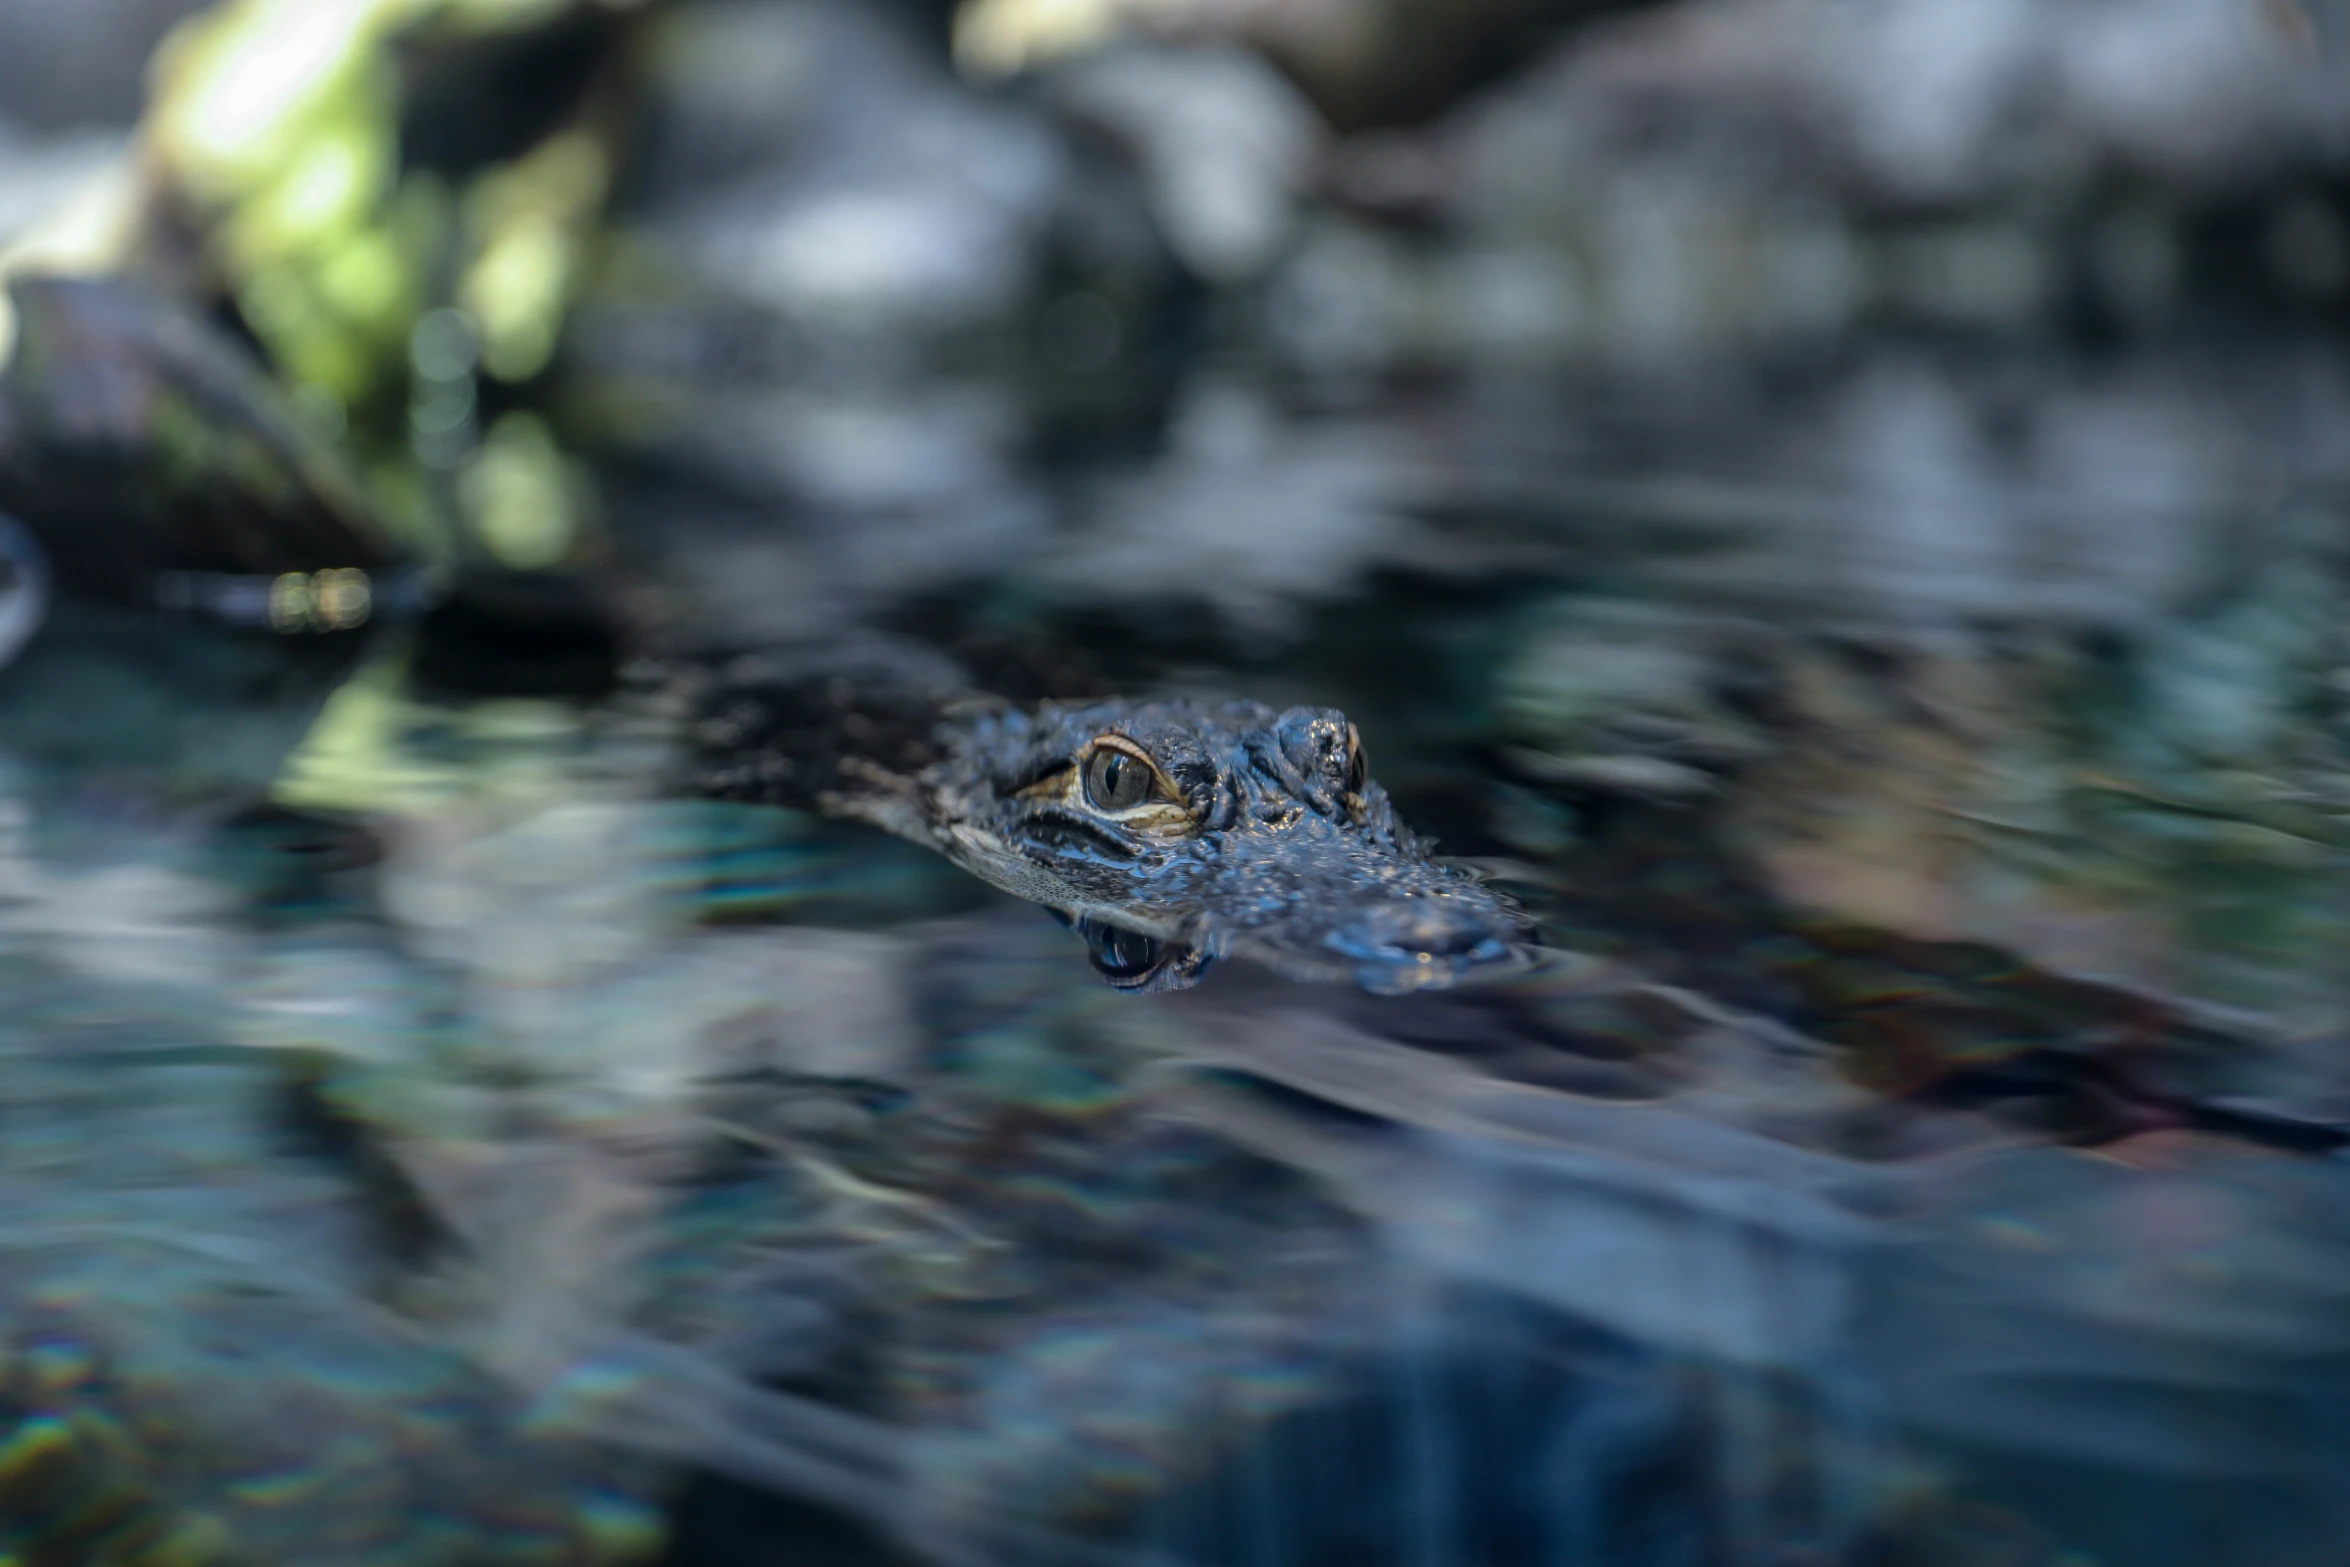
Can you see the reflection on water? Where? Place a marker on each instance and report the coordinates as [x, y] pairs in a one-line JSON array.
[[426, 1137]]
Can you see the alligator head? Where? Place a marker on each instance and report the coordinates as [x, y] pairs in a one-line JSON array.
[[1172, 833], [1167, 833]]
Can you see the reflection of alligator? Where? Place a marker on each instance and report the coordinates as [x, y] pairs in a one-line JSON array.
[[1168, 833]]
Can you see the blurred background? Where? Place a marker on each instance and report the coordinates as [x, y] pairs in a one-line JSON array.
[[1845, 504]]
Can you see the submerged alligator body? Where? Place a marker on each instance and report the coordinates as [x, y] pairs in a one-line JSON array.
[[1168, 834]]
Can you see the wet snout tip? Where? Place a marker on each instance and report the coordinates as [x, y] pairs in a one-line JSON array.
[[1411, 944], [1449, 940]]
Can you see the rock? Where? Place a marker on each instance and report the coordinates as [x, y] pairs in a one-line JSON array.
[[1224, 147], [1361, 62], [152, 460], [1922, 103], [1751, 174], [81, 65], [808, 158]]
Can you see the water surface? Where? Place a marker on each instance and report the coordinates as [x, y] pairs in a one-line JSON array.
[[425, 1138]]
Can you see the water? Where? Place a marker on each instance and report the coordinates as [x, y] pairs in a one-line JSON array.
[[425, 1139]]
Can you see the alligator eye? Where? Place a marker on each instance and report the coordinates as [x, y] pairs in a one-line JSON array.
[[1116, 781], [1358, 768]]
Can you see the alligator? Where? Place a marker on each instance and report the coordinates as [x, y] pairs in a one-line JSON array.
[[1168, 834]]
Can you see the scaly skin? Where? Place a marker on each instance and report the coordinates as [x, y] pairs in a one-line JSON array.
[[1168, 833]]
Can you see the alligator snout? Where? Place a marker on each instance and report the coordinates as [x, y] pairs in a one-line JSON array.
[[1423, 930], [1393, 945]]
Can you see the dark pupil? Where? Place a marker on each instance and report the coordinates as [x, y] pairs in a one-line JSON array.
[[1116, 781]]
